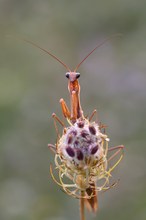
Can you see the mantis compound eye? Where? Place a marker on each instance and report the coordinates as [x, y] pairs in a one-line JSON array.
[[67, 75], [77, 75]]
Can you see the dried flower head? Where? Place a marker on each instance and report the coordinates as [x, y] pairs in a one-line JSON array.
[[82, 157]]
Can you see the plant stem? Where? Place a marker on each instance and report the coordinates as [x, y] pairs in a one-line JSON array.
[[82, 213]]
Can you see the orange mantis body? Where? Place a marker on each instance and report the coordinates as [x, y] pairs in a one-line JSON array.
[[81, 152]]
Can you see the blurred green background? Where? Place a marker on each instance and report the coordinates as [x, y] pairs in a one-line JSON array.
[[113, 80]]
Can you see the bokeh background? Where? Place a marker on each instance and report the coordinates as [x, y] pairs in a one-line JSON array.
[[113, 80]]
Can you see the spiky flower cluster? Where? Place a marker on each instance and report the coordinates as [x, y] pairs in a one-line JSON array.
[[82, 158], [81, 146]]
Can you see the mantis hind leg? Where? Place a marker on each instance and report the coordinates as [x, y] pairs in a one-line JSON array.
[[56, 119], [92, 203]]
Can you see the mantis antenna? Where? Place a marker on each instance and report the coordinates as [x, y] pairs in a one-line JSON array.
[[60, 61]]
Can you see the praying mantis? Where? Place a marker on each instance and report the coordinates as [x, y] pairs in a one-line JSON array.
[[82, 150]]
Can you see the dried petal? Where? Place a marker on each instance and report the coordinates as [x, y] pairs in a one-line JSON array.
[[92, 130], [70, 151]]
